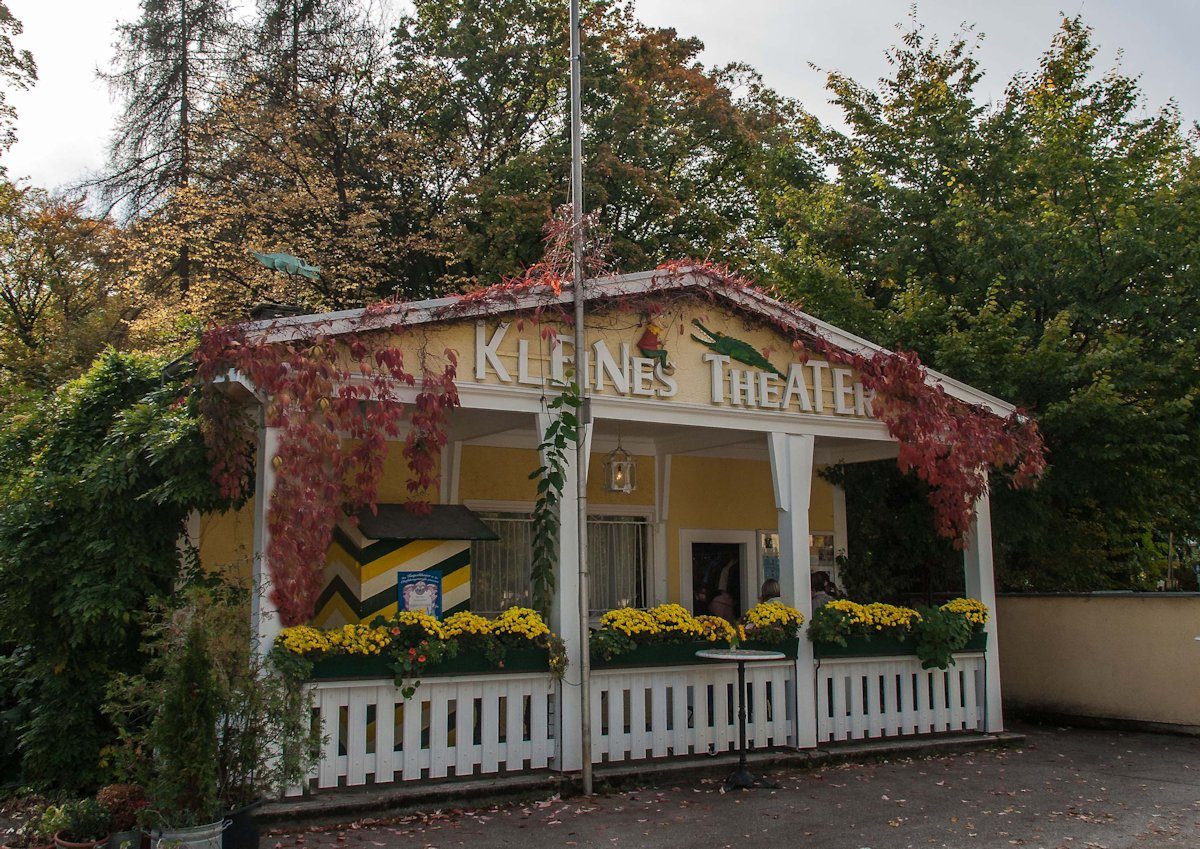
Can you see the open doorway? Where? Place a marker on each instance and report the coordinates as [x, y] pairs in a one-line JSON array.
[[717, 578]]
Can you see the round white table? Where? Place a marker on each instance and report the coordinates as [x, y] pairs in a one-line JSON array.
[[742, 778]]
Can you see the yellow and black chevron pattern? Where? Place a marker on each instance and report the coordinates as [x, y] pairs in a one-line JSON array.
[[360, 575]]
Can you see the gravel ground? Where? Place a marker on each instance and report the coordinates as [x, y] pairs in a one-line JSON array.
[[1065, 788]]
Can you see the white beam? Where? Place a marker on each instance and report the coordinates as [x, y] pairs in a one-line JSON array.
[[661, 543], [264, 618], [981, 584], [791, 473], [859, 452], [564, 615]]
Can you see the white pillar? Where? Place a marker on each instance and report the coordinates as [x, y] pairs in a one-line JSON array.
[[981, 584], [564, 616], [264, 619], [791, 473], [841, 533], [657, 592]]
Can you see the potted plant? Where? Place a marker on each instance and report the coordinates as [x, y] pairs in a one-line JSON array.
[[209, 728], [81, 824], [772, 626], [844, 628], [124, 803], [265, 741], [666, 634], [183, 785]]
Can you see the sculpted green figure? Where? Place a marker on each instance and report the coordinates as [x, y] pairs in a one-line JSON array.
[[288, 264], [733, 348]]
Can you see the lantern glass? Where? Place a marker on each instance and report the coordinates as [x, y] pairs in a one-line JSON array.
[[620, 471]]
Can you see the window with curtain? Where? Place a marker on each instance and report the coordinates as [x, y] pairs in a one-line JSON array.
[[618, 548]]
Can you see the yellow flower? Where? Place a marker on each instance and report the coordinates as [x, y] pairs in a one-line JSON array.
[[770, 614], [465, 622], [715, 629], [973, 610], [631, 621], [303, 639], [520, 621]]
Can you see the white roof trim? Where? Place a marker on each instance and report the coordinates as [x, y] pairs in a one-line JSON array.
[[443, 309]]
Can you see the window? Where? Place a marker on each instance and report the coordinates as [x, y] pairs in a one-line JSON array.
[[821, 554], [617, 554]]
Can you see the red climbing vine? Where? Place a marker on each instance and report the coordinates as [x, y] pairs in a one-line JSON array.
[[332, 396], [334, 401], [948, 444]]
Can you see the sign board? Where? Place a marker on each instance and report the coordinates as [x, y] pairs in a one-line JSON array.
[[420, 591]]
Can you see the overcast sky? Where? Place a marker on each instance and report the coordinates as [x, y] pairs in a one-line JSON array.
[[64, 122]]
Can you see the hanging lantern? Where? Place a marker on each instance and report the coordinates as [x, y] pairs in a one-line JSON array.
[[620, 470]]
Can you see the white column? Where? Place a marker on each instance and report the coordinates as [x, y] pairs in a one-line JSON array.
[[564, 616], [791, 473], [264, 619], [841, 533], [981, 584], [661, 544], [451, 463]]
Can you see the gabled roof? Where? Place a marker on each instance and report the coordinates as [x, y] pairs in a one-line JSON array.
[[746, 299]]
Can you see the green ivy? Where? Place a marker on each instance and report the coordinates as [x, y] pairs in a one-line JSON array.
[[560, 435], [97, 484]]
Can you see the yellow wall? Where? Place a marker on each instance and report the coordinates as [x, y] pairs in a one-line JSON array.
[[714, 493], [706, 493], [502, 474], [227, 542], [1129, 657]]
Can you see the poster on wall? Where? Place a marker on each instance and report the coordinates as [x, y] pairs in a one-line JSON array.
[[420, 591]]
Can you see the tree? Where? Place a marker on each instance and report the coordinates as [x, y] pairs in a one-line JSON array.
[[1042, 249], [166, 71], [58, 306], [17, 70], [674, 151]]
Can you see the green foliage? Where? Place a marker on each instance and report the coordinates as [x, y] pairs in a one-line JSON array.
[[183, 738], [895, 555], [830, 625], [939, 634], [96, 484], [561, 435], [1042, 249], [81, 821], [607, 643], [17, 71], [260, 733]]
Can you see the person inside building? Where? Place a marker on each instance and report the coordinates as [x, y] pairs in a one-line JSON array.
[[769, 591], [823, 589]]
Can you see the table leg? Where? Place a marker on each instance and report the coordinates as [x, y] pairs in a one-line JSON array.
[[742, 778]]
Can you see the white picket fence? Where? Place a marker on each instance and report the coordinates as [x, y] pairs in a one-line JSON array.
[[505, 723], [657, 712], [869, 697], [461, 726]]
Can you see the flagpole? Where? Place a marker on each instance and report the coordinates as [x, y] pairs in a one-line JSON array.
[[585, 417]]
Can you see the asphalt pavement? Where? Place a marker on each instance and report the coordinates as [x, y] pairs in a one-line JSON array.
[[1066, 787]]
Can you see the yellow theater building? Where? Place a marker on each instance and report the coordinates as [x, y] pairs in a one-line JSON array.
[[715, 429]]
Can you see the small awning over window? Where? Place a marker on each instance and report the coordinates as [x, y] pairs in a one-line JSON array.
[[445, 521]]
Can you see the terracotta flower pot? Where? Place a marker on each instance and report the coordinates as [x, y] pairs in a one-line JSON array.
[[62, 843]]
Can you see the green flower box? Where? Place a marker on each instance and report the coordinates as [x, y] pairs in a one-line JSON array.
[[790, 648], [473, 663], [659, 654], [978, 642], [337, 667], [885, 646]]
